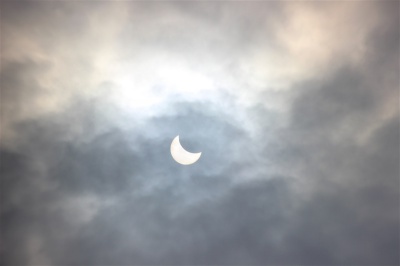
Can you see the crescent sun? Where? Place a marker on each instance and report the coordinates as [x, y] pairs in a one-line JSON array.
[[181, 155]]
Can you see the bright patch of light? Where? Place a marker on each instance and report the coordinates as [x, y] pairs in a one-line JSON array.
[[154, 84]]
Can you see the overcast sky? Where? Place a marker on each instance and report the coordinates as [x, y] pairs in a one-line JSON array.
[[293, 104]]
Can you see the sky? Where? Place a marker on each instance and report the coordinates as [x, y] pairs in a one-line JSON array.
[[293, 104]]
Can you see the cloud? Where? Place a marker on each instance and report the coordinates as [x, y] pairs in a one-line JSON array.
[[299, 136]]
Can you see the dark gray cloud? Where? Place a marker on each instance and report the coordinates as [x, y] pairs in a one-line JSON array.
[[87, 181]]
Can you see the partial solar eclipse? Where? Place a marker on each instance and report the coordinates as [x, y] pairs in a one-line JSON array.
[[181, 155]]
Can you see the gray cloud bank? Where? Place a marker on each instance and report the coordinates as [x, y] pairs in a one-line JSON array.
[[86, 182]]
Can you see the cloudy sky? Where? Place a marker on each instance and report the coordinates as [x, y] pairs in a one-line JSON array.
[[293, 104]]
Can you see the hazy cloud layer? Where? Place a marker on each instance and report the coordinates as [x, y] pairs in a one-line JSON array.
[[294, 106]]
